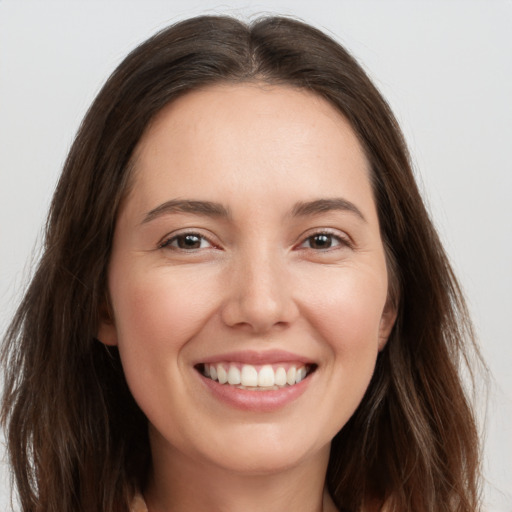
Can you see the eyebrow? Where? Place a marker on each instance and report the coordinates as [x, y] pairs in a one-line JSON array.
[[212, 209], [205, 208], [319, 206]]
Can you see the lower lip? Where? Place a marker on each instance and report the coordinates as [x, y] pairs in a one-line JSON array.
[[257, 401]]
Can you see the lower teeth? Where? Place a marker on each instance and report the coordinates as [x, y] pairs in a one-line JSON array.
[[257, 388]]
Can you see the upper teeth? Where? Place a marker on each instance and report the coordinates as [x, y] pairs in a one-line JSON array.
[[247, 375]]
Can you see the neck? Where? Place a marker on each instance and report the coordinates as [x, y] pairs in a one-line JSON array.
[[178, 483]]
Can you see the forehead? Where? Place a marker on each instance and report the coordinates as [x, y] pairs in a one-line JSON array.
[[248, 136], [295, 114]]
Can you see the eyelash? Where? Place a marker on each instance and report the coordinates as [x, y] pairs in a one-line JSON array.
[[168, 243], [341, 241]]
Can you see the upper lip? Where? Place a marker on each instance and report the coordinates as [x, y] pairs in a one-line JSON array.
[[257, 357]]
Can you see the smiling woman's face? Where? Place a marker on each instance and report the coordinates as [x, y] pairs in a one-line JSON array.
[[249, 250]]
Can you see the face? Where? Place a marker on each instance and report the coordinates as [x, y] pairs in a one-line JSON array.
[[248, 251]]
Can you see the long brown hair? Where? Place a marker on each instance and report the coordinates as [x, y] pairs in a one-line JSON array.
[[78, 442]]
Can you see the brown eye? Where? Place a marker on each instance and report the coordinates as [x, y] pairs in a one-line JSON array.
[[187, 242], [322, 241]]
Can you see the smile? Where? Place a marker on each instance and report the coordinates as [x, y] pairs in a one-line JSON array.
[[264, 377]]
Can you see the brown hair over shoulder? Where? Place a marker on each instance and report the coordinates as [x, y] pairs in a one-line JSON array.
[[77, 440]]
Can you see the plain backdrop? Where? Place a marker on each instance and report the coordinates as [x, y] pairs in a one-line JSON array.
[[445, 67]]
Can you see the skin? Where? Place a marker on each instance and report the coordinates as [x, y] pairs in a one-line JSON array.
[[259, 280]]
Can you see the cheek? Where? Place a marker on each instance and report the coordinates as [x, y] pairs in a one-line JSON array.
[[157, 312], [345, 325], [345, 308], [346, 317]]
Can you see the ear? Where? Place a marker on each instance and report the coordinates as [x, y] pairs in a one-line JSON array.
[[107, 331], [387, 321]]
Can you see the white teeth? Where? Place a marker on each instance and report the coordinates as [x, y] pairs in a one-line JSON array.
[[222, 374], [234, 375], [248, 377], [290, 375], [301, 373], [280, 377], [266, 377]]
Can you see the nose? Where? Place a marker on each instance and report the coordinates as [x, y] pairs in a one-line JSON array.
[[259, 294]]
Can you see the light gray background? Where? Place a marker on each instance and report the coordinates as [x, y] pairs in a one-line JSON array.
[[445, 67]]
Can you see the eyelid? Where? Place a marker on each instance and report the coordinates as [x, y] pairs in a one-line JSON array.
[[166, 241], [344, 239]]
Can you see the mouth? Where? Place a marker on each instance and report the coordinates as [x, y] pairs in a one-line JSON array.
[[260, 377]]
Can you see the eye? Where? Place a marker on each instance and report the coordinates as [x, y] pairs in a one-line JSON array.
[[323, 241], [187, 242]]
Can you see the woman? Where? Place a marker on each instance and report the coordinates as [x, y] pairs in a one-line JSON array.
[[242, 302]]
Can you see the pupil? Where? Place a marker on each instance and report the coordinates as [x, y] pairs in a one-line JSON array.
[[321, 242], [189, 242]]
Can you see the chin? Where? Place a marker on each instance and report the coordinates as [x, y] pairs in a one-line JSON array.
[[253, 463], [266, 451]]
